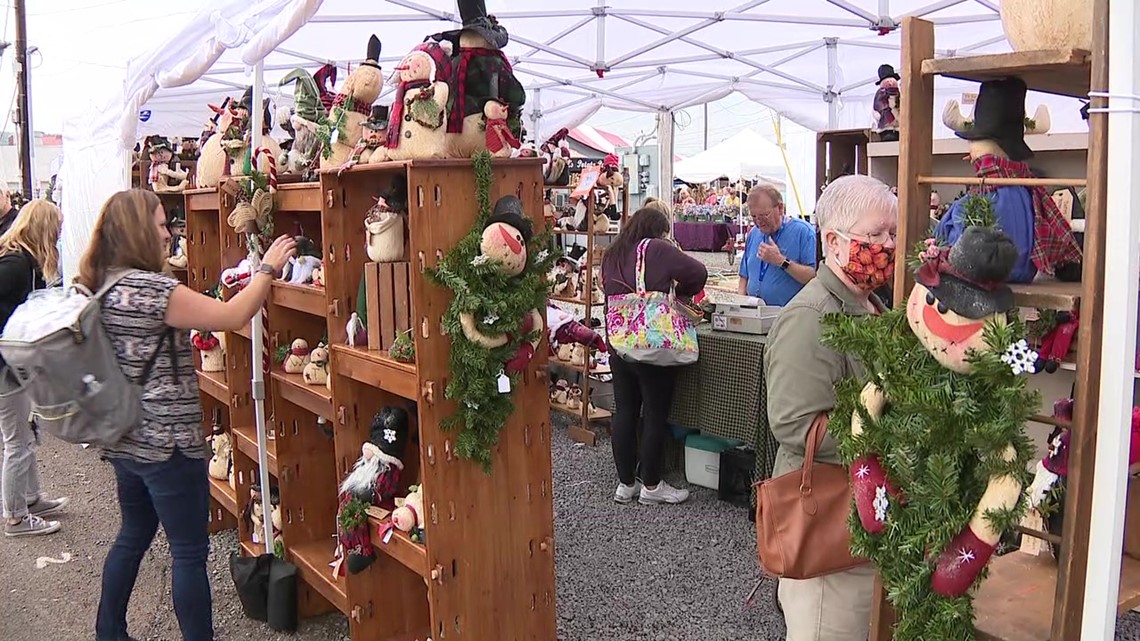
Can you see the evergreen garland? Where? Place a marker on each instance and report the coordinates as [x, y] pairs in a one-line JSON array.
[[940, 440], [499, 303]]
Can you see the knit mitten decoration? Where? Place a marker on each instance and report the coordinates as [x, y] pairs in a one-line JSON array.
[[874, 494], [960, 563], [355, 540]]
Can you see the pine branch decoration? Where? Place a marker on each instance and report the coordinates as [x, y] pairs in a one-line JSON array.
[[940, 441], [500, 303]]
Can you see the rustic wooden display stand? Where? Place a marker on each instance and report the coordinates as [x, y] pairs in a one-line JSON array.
[[480, 529], [837, 149], [582, 432], [1012, 604]]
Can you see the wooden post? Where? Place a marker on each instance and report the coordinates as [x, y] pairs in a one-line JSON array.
[[23, 108], [916, 146], [1070, 595]]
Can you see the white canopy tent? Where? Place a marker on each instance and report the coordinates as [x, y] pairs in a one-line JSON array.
[[815, 66], [745, 155]]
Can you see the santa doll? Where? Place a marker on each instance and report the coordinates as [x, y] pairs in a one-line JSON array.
[[374, 480], [1028, 215]]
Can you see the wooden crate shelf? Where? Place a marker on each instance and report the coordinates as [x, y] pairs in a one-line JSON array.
[[410, 554], [313, 398], [319, 433], [377, 369], [597, 415], [1065, 72], [221, 492], [312, 561], [214, 384], [1016, 602], [1047, 295], [245, 441], [302, 298]]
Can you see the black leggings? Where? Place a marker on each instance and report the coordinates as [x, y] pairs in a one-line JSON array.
[[645, 392]]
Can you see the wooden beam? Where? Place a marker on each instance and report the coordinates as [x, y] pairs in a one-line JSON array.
[[1070, 593], [916, 146]]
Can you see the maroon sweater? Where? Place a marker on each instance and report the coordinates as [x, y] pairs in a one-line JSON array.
[[664, 264]]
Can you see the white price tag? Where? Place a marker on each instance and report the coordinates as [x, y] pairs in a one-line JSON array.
[[504, 383], [388, 536]]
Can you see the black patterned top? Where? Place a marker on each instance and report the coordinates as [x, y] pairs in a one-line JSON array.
[[134, 313]]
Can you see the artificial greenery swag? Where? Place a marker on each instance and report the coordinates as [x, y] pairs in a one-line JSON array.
[[500, 303]]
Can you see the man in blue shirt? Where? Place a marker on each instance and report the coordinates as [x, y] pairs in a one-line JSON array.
[[779, 253]]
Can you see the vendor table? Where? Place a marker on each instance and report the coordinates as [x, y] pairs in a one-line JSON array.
[[703, 237], [723, 394]]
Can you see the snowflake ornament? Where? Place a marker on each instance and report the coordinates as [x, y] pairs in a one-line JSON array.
[[1020, 358], [542, 255], [481, 259], [390, 435], [881, 503], [965, 556], [490, 319], [862, 472]]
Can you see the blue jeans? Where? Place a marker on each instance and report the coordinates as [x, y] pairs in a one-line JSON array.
[[176, 493]]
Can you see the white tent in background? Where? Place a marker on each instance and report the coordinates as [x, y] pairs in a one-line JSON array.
[[745, 155]]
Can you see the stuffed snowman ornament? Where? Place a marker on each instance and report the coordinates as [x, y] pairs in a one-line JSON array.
[[935, 444]]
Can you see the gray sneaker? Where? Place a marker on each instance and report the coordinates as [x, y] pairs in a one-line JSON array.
[[48, 507], [31, 525], [663, 493]]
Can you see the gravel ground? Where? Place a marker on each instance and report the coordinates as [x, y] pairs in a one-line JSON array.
[[625, 572]]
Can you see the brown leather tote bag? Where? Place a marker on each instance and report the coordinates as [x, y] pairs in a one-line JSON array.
[[801, 517]]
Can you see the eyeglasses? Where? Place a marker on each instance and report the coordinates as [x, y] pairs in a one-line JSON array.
[[881, 238]]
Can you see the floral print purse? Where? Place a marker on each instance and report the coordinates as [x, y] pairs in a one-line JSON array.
[[647, 327]]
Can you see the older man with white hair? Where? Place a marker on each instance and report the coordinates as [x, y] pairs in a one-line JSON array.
[[858, 218], [779, 252]]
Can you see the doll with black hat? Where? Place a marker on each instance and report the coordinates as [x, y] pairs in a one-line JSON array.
[[352, 106], [1028, 215], [419, 111], [372, 146], [484, 88], [163, 177], [885, 107], [374, 480]]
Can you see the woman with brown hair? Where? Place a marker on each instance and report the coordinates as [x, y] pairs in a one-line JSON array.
[[160, 465], [29, 260], [643, 392]]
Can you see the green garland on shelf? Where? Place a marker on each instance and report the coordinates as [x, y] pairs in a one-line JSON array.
[[480, 288]]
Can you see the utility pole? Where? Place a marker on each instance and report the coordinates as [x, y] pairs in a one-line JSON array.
[[23, 111]]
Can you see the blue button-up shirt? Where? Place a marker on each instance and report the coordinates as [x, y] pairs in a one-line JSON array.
[[796, 240]]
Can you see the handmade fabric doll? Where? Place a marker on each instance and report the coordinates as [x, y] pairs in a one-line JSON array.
[[555, 159], [211, 348], [222, 459], [420, 109], [352, 106], [409, 513], [297, 357], [885, 105], [482, 75], [384, 229], [163, 178], [1028, 215], [316, 371], [934, 438], [309, 113], [564, 330], [374, 480]]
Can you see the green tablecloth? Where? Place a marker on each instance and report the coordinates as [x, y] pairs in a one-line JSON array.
[[723, 394]]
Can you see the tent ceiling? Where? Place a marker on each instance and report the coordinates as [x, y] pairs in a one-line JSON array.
[[812, 60]]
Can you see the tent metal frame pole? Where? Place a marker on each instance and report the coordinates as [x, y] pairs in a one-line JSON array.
[[665, 120], [1117, 366], [830, 96], [257, 331]]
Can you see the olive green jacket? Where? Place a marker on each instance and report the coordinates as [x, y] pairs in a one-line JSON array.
[[801, 373]]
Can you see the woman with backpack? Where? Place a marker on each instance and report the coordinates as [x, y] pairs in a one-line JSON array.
[[29, 260], [160, 465]]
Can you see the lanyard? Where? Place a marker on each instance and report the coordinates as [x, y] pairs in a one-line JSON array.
[[764, 265]]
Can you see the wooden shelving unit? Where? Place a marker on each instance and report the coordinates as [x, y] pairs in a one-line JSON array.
[[585, 375], [413, 591], [839, 149], [1020, 589]]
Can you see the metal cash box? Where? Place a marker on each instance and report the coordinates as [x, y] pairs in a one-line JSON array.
[[744, 318]]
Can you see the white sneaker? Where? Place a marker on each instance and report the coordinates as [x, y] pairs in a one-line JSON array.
[[625, 493], [663, 493]]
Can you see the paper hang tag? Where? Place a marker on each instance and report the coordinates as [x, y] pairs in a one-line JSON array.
[[504, 383], [388, 535]]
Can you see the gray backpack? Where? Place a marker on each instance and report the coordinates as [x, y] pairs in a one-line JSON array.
[[72, 378]]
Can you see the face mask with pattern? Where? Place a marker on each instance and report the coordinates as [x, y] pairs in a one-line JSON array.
[[869, 265]]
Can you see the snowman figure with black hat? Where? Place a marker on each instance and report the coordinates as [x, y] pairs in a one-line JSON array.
[[162, 177], [372, 146], [374, 480], [936, 444], [1029, 215], [487, 98], [885, 106]]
